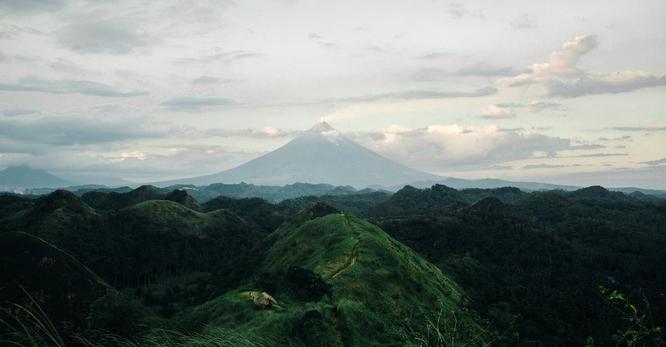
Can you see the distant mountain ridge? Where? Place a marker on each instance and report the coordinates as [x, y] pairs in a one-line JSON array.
[[20, 177], [318, 155]]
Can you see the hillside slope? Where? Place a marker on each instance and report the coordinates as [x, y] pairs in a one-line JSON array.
[[341, 281]]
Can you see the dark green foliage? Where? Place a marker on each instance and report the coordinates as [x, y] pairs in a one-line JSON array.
[[409, 199], [640, 328], [106, 199], [39, 279], [529, 263], [533, 266], [318, 209], [119, 314], [269, 193], [255, 210], [143, 243], [306, 284], [357, 204], [183, 198], [313, 329]]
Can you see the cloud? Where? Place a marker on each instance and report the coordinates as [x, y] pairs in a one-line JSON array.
[[494, 111], [193, 160], [485, 69], [33, 84], [482, 69], [209, 80], [436, 55], [560, 76], [456, 10], [314, 36], [430, 74], [561, 63], [30, 6], [548, 166], [586, 146], [420, 94], [17, 112], [523, 22], [226, 57], [266, 132], [78, 130], [646, 177], [648, 128], [103, 36], [11, 30], [619, 138], [507, 109], [134, 164], [619, 82], [538, 106], [655, 162], [444, 147], [598, 155], [187, 103]]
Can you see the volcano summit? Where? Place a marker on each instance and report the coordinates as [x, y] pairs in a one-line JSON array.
[[320, 154]]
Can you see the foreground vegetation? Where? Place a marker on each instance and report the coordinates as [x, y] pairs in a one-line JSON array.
[[436, 267]]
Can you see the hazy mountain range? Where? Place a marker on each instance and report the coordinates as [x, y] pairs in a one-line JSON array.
[[320, 155]]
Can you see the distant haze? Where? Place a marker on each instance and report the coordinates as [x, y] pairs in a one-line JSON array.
[[561, 92]]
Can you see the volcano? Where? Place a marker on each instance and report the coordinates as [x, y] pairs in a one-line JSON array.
[[320, 154]]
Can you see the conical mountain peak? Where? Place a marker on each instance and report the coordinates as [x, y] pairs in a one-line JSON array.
[[321, 127], [320, 154]]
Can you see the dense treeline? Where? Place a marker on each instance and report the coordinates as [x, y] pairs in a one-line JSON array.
[[534, 267]]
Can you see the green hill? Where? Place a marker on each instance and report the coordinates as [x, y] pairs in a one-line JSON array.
[[409, 199], [534, 267], [142, 243], [341, 281]]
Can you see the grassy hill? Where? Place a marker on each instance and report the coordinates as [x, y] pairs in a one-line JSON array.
[[341, 281], [336, 279]]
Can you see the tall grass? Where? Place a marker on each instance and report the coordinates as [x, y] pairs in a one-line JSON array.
[[28, 325]]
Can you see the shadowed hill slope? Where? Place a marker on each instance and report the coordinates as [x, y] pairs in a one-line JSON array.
[[141, 243], [534, 266], [44, 289]]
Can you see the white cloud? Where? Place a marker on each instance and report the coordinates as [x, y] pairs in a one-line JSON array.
[[494, 111], [34, 84], [561, 63], [560, 76], [104, 36], [443, 147]]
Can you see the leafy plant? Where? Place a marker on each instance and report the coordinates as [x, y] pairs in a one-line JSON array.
[[641, 329]]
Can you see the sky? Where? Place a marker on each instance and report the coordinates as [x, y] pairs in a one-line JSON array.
[[569, 92]]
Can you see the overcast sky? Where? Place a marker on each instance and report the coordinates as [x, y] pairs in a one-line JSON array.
[[560, 91]]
